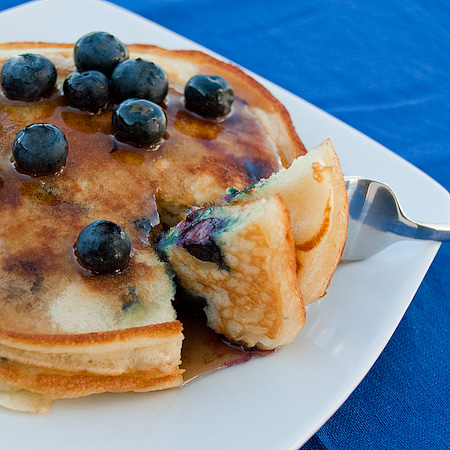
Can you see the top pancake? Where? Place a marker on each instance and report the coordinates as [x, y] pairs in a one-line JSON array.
[[43, 289]]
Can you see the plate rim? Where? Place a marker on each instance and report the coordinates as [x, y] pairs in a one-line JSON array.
[[430, 250]]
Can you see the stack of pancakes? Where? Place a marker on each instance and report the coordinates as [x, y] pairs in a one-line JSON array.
[[65, 332]]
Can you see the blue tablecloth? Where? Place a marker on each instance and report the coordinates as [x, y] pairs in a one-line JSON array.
[[384, 68]]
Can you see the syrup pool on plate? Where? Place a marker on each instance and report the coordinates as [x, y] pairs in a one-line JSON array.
[[205, 351]]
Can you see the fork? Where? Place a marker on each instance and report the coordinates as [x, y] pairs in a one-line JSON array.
[[377, 220]]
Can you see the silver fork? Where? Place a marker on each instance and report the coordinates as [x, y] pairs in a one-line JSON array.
[[376, 220]]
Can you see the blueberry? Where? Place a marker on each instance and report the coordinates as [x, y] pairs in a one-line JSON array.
[[139, 122], [206, 251], [198, 239], [40, 149], [28, 77], [137, 78], [88, 91], [103, 247], [209, 95], [99, 51]]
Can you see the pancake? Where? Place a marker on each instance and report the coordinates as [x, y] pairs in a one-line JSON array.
[[65, 332]]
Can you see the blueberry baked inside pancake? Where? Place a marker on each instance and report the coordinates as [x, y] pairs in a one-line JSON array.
[[103, 148]]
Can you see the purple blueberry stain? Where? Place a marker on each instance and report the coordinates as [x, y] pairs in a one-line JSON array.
[[198, 239]]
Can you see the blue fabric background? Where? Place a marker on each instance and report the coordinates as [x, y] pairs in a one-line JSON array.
[[384, 68]]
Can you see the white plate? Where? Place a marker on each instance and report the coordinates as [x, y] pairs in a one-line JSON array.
[[272, 403]]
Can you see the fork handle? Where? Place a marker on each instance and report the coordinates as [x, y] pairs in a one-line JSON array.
[[424, 231]]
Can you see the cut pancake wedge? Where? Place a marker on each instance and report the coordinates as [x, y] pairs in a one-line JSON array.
[[241, 260], [313, 190]]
